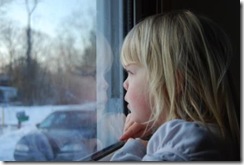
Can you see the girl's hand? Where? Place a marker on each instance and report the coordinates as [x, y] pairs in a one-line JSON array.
[[134, 130]]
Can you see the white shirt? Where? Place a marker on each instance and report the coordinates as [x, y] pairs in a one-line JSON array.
[[179, 140]]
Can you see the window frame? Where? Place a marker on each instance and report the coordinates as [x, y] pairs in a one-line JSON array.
[[133, 12]]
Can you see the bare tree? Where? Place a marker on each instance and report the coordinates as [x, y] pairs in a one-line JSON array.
[[75, 61], [10, 40], [30, 9], [30, 69]]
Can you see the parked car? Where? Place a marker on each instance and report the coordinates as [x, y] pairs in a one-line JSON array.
[[61, 136]]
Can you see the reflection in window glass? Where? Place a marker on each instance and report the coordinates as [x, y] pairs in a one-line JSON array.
[[60, 82], [109, 73]]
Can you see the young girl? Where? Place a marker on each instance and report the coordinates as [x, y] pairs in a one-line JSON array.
[[177, 89]]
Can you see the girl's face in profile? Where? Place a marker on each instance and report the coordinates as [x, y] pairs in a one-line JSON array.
[[104, 63], [136, 96], [104, 66]]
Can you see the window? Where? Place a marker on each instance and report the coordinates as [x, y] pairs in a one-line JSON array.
[[62, 59]]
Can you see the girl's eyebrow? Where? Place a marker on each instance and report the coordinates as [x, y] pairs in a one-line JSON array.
[[130, 65], [127, 67]]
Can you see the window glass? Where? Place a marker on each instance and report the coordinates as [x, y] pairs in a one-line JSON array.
[[109, 71], [60, 79]]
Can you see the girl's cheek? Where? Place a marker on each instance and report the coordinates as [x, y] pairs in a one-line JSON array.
[[132, 95], [139, 106]]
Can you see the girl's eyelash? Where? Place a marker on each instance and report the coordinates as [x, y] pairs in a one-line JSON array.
[[128, 71]]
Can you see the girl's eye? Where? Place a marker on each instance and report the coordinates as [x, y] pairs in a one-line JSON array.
[[129, 72]]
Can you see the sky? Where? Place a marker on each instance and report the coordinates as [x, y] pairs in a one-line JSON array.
[[49, 13], [52, 17]]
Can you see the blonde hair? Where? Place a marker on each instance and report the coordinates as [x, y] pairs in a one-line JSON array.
[[186, 58]]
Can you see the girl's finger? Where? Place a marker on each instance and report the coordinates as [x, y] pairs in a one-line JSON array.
[[135, 130], [128, 122]]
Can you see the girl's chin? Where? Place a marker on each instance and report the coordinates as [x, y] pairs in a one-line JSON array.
[[135, 118]]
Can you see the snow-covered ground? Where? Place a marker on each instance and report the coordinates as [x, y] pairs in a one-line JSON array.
[[9, 139], [9, 134]]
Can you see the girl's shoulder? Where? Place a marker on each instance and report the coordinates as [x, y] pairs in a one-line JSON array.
[[181, 127], [188, 141]]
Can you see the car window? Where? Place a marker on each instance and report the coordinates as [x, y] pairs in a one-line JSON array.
[[60, 60], [62, 119], [47, 122]]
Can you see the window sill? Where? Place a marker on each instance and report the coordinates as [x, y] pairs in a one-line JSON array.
[[99, 155]]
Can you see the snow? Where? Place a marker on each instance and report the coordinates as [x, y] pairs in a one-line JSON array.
[[10, 134], [8, 141]]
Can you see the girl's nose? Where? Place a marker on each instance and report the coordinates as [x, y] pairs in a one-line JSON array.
[[125, 84]]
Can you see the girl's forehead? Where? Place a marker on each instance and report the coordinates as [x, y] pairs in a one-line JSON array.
[[132, 65]]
